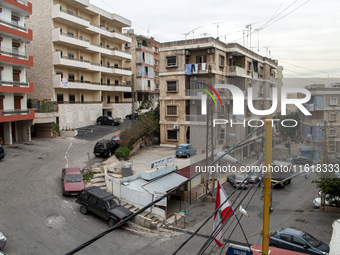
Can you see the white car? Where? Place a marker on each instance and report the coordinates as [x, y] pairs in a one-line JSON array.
[[2, 241], [328, 201]]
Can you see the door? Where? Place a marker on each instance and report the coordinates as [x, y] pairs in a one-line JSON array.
[[17, 102], [91, 205], [16, 75], [13, 132], [101, 209]]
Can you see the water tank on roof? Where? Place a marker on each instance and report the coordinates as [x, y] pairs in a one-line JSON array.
[[126, 170]]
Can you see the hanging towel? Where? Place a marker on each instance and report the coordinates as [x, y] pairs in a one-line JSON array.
[[188, 69], [195, 68], [203, 66]]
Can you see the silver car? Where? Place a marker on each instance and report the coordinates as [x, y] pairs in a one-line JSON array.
[[236, 180], [2, 241]]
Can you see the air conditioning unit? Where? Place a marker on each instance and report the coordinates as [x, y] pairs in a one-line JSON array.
[[176, 127], [187, 53], [211, 51]]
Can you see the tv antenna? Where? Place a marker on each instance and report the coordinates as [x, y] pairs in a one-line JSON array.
[[249, 27], [267, 48], [205, 34], [191, 31], [217, 25], [148, 31], [258, 38], [225, 37]]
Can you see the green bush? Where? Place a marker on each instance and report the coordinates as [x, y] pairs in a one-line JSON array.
[[89, 176], [122, 152], [130, 147]]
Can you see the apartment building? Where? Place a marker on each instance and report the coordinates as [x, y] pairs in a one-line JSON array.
[[186, 65], [79, 54], [324, 107], [15, 118], [145, 67]]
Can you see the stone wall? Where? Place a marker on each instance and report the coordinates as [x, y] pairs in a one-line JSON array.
[[78, 115]]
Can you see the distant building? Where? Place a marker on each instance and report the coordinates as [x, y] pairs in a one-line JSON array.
[[184, 65], [15, 117], [145, 67], [324, 107], [79, 54]]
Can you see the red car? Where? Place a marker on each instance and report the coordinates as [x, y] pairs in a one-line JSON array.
[[116, 138], [72, 181]]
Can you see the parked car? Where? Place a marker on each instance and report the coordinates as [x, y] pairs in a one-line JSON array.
[[116, 138], [253, 177], [103, 204], [2, 152], [328, 200], [297, 240], [129, 116], [185, 150], [72, 181], [2, 241], [107, 120], [236, 180], [105, 148], [300, 160], [289, 160]]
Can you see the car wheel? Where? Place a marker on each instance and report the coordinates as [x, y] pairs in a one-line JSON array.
[[188, 155], [110, 153], [112, 124], [83, 209], [112, 222], [98, 123], [177, 156]]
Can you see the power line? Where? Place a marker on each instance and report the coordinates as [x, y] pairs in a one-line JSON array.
[[308, 68]]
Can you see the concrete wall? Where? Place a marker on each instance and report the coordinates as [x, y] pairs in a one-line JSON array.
[[78, 115]]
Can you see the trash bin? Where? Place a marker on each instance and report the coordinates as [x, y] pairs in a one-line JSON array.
[[126, 170]]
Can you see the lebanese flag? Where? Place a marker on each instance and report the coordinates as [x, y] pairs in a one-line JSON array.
[[221, 197]]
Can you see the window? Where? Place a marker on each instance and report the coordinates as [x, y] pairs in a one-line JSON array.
[[81, 58], [71, 98], [101, 99], [171, 110], [81, 78], [146, 71], [116, 99], [107, 46], [171, 86], [100, 204], [60, 98], [249, 66], [222, 59], [61, 53], [70, 34], [93, 199], [332, 117], [71, 77], [201, 59], [298, 241], [127, 95], [149, 84], [101, 81], [116, 82], [285, 237], [82, 98], [101, 62], [332, 132], [333, 101], [108, 81], [108, 64], [143, 56], [70, 56], [116, 65], [17, 102], [16, 75], [171, 61], [172, 134], [15, 19], [108, 99]]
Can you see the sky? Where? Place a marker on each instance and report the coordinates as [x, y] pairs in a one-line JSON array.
[[303, 35]]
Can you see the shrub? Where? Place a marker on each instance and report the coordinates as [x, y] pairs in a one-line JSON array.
[[122, 152], [130, 147]]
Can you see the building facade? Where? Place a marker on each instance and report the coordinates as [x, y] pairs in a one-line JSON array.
[[145, 67], [186, 65], [79, 60], [15, 117], [324, 107]]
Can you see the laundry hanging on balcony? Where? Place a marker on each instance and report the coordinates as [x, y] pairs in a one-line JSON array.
[[188, 69]]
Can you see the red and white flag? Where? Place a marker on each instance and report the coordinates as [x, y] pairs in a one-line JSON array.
[[221, 197]]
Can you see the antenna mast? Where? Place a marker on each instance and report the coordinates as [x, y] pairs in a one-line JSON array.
[[218, 25]]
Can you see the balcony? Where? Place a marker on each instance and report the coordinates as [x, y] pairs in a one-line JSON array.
[[112, 34], [16, 115], [68, 17], [112, 52], [89, 85], [111, 69], [14, 52], [236, 71], [22, 7], [16, 87], [15, 31], [68, 39], [15, 57], [70, 62]]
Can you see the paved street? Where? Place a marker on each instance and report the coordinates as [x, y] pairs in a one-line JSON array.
[[33, 214]]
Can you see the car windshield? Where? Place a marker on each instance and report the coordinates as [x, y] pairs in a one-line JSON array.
[[180, 147], [73, 178], [112, 203], [116, 138], [100, 145], [110, 118], [311, 239], [239, 178]]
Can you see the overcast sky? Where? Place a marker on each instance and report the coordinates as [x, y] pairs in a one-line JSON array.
[[305, 41]]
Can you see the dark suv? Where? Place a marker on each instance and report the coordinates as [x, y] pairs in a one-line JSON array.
[[105, 148], [103, 204], [2, 152], [107, 120]]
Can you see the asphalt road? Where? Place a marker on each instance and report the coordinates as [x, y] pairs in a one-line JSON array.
[[35, 217]]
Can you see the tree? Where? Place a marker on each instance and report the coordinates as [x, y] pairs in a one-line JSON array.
[[289, 131], [330, 186]]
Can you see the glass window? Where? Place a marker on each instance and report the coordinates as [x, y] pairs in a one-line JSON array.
[[112, 203], [285, 237], [93, 199], [171, 86], [171, 61], [171, 110], [84, 195], [311, 239], [73, 178], [100, 204], [172, 135], [298, 241]]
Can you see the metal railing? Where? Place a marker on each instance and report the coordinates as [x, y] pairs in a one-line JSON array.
[[13, 52], [75, 37], [104, 47], [98, 83], [12, 24], [71, 13], [14, 83], [14, 111]]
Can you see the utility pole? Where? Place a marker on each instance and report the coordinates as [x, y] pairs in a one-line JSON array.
[[324, 155], [133, 98], [267, 185]]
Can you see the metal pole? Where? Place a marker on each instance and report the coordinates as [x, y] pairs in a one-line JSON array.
[[267, 185], [324, 155], [133, 98]]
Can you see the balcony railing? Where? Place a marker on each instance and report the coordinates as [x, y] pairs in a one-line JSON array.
[[75, 37], [197, 118], [12, 24], [13, 52], [14, 83], [98, 83], [14, 111], [236, 70], [77, 102], [71, 13]]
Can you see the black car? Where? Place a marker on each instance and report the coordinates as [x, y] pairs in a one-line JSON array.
[[107, 120], [297, 240], [300, 160], [103, 204], [129, 116], [2, 152], [105, 148]]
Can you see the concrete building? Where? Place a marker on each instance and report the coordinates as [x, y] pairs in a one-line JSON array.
[[15, 118], [324, 107], [145, 67], [186, 65], [79, 56]]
